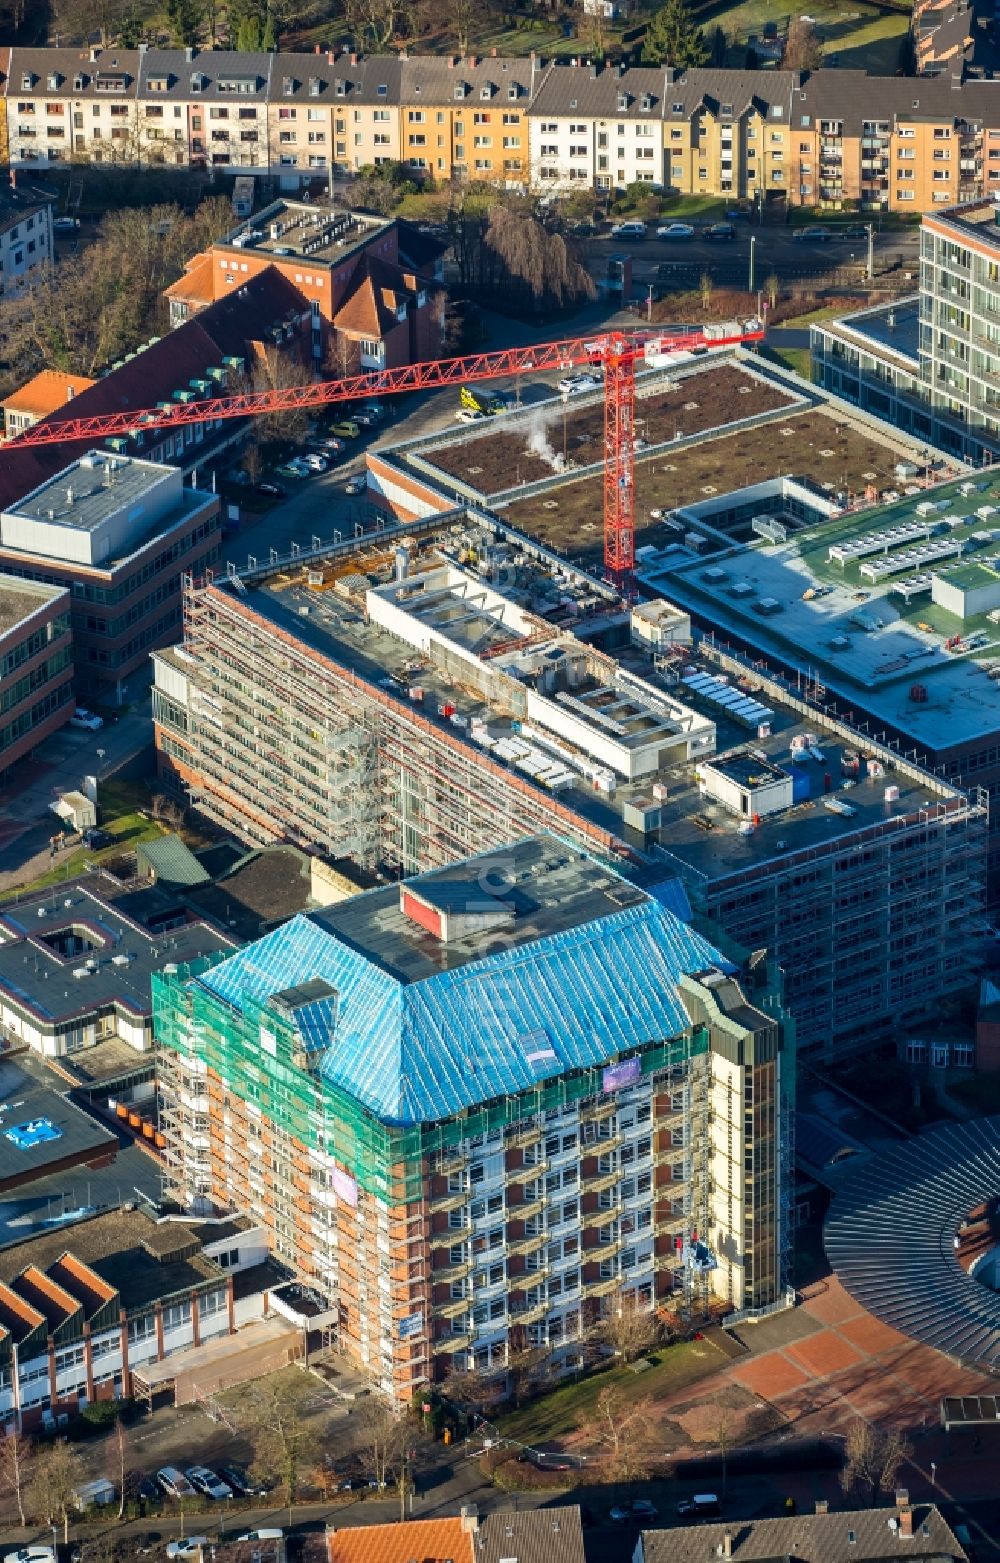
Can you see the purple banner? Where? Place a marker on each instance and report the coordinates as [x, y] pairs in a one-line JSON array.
[[617, 1076]]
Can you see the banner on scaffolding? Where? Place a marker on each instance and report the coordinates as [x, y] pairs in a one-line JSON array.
[[617, 1076]]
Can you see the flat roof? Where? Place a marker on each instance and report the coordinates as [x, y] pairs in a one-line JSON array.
[[89, 491], [875, 638], [37, 978], [58, 1200], [892, 329], [550, 888], [114, 1244], [980, 219], [20, 599], [305, 230], [47, 1128], [332, 625]]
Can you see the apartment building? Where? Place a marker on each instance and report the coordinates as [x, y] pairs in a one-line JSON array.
[[931, 364], [119, 533], [911, 146], [468, 118], [815, 139], [36, 667], [401, 1091], [205, 108], [26, 239]]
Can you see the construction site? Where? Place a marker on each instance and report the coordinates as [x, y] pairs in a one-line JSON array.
[[411, 701], [451, 1217]]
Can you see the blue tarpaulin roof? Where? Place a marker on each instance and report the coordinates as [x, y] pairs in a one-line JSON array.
[[422, 1051]]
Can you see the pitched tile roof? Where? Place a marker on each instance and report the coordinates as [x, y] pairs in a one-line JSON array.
[[531, 1536], [213, 68], [428, 78], [617, 93], [842, 1537], [75, 71], [196, 283], [377, 289], [225, 329], [46, 391], [847, 96], [412, 1541]]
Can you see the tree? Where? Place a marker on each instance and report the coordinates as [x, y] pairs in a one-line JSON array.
[[461, 16], [629, 1328], [803, 50], [374, 22], [672, 38], [120, 1459], [623, 1429], [772, 288], [272, 1415], [15, 1470], [526, 1365], [186, 19], [872, 1458], [705, 287], [56, 1472], [383, 1438]]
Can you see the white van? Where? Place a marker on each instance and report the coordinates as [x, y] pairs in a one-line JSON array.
[[704, 1505]]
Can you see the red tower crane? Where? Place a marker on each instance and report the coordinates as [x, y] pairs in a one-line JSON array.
[[617, 351]]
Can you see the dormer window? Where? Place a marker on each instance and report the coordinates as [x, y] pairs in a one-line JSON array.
[[677, 108], [340, 89], [314, 86], [53, 81], [646, 103], [486, 92], [287, 86], [197, 81], [460, 90], [27, 82], [382, 90], [78, 83], [726, 110], [622, 102], [513, 91], [157, 84], [572, 103]]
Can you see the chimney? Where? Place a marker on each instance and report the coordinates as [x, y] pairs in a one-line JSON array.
[[822, 1506], [451, 62], [317, 49], [331, 57], [727, 1544], [189, 53], [93, 55], [473, 61], [470, 1519], [493, 52], [354, 59], [906, 1521]]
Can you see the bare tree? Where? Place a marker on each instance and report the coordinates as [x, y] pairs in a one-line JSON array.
[[15, 1469], [279, 370], [772, 288], [55, 1474], [526, 1365], [705, 288], [120, 1457], [462, 16], [272, 1414], [803, 50], [873, 1457], [383, 1439], [623, 1429], [629, 1328]]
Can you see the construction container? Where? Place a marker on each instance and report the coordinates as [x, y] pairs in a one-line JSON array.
[[801, 786], [160, 1141], [892, 794], [148, 1131], [134, 1120], [121, 1111]]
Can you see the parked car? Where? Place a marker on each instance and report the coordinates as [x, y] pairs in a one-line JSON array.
[[66, 224], [274, 1533], [855, 231], [575, 384], [814, 233], [642, 1509], [469, 415], [348, 429], [704, 1505], [235, 1477], [315, 462], [187, 1547], [719, 231], [31, 1555], [83, 718], [206, 1481], [174, 1483], [377, 410], [296, 468], [94, 839], [365, 417], [276, 490], [631, 229], [620, 1514], [675, 231], [356, 485]]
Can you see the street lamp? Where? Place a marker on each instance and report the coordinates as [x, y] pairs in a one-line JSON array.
[[753, 243], [934, 1474]]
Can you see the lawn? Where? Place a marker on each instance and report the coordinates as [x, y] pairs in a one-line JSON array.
[[812, 317], [795, 358], [855, 37], [121, 805], [568, 1408]]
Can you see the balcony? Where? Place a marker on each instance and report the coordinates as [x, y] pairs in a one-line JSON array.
[[530, 1315], [526, 1245], [449, 1201], [525, 1212], [601, 1180], [450, 1343], [454, 1308], [609, 1283], [452, 1272], [525, 1136]]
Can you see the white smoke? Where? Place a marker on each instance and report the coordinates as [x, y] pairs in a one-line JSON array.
[[539, 443]]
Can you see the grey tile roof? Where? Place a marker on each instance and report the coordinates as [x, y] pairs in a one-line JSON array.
[[531, 1536], [743, 89], [430, 78], [215, 69], [613, 93], [322, 78], [854, 96], [843, 1537], [73, 72]]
